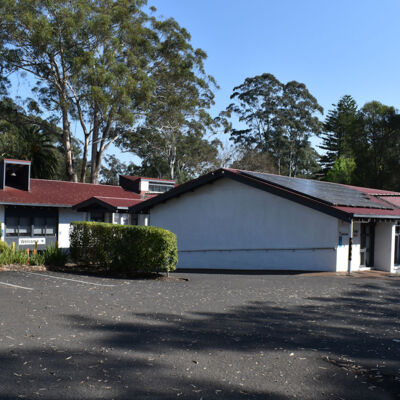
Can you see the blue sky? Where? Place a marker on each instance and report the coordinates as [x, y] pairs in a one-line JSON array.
[[335, 47]]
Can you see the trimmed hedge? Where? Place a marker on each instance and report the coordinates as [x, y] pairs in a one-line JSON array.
[[123, 248]]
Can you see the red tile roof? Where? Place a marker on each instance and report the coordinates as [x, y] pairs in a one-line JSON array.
[[16, 161], [395, 200], [369, 211], [60, 193], [118, 202], [374, 191]]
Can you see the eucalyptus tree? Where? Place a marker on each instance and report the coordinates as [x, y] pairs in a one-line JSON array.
[[278, 118], [95, 62], [175, 128]]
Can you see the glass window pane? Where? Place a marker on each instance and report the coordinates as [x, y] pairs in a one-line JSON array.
[[115, 218], [24, 226], [159, 188], [38, 225], [51, 226], [11, 226], [124, 219]]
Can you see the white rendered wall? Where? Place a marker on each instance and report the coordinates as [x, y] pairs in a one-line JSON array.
[[65, 217], [143, 186], [343, 250], [249, 228], [384, 246], [2, 219], [143, 219]]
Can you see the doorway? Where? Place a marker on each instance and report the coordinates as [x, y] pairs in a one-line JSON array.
[[367, 244]]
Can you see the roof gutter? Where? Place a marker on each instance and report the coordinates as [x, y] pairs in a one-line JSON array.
[[7, 203]]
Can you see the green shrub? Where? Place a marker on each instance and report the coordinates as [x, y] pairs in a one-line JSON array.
[[53, 256], [8, 256], [123, 248], [36, 259], [3, 246]]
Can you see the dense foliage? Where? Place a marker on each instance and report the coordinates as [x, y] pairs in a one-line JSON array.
[[123, 248], [108, 65], [104, 72], [279, 120], [362, 145]]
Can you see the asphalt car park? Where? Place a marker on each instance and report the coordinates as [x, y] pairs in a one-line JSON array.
[[213, 336]]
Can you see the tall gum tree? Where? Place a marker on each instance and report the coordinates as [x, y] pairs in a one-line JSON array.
[[96, 62], [279, 119]]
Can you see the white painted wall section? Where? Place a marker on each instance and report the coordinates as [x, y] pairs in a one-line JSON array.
[[343, 248], [232, 225], [65, 217], [143, 219], [2, 220], [143, 185], [384, 246]]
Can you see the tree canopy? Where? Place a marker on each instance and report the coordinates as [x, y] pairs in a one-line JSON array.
[[279, 118], [98, 62], [362, 145], [124, 76]]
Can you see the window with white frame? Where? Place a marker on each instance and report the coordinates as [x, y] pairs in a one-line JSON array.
[[121, 218], [159, 187]]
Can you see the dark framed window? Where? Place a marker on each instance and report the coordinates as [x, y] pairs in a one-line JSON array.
[[30, 221], [97, 215], [51, 226], [159, 187], [12, 226], [39, 226]]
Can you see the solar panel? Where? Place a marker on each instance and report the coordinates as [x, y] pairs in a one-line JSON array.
[[332, 193]]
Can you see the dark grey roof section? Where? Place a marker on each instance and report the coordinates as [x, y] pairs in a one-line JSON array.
[[331, 193]]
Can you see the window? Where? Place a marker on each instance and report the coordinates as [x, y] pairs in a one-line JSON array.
[[12, 226], [160, 187], [39, 225], [24, 226], [51, 226], [121, 219], [25, 221], [97, 216]]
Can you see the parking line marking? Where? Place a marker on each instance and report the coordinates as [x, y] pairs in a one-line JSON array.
[[67, 279], [16, 286]]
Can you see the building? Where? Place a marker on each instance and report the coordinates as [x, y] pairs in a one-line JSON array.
[[40, 211], [232, 219]]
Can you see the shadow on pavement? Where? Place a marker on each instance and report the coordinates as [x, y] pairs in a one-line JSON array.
[[164, 355]]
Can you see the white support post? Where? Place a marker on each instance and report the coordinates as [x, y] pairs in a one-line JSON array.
[[350, 247]]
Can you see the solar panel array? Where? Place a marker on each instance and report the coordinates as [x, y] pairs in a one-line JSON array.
[[332, 193]]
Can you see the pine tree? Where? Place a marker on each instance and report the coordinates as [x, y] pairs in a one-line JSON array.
[[338, 127]]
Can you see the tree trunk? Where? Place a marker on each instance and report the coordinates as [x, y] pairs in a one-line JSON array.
[[172, 161], [69, 155], [84, 159], [96, 169], [95, 138]]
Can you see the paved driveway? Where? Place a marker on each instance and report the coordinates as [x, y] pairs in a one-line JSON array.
[[212, 337]]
